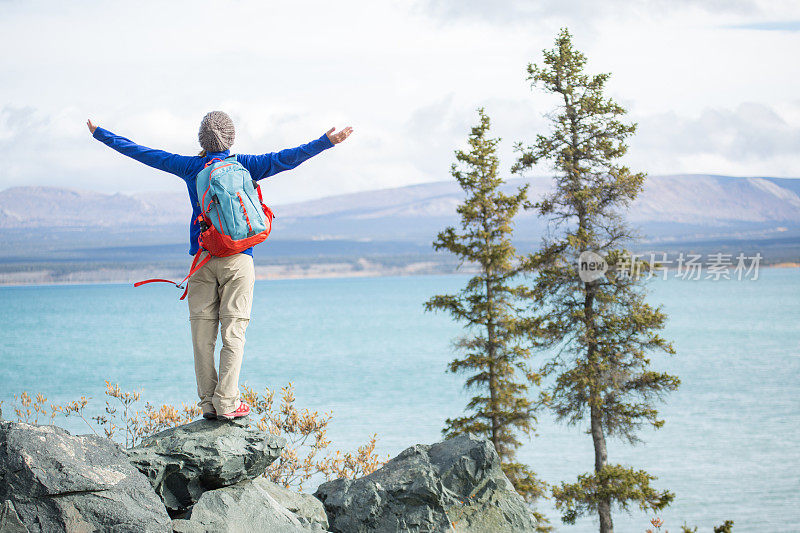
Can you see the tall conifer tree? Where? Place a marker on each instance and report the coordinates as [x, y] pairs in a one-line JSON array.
[[601, 330], [494, 348]]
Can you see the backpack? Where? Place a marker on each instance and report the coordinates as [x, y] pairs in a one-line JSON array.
[[233, 216]]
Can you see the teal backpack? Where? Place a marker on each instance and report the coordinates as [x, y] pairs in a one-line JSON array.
[[232, 217], [230, 201]]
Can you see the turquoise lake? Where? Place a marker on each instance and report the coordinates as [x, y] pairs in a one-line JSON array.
[[364, 349]]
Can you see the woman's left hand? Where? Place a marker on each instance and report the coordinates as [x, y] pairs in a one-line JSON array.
[[92, 127], [339, 136]]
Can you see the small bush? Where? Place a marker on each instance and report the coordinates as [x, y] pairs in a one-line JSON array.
[[303, 430]]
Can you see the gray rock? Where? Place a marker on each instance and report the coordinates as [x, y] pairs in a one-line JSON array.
[[10, 521], [428, 487], [308, 509], [184, 462], [245, 507], [54, 481]]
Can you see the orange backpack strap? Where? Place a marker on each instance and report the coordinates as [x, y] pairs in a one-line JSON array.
[[267, 210], [194, 268]]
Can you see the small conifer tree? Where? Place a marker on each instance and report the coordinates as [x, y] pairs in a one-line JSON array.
[[493, 350]]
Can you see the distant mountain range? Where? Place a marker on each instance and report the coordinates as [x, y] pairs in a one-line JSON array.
[[671, 208]]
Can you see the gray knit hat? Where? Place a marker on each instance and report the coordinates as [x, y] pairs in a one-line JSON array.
[[216, 132]]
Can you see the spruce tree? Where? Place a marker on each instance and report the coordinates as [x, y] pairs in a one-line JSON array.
[[600, 330], [494, 349]]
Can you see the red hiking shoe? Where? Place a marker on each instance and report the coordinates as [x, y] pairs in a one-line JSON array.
[[242, 410]]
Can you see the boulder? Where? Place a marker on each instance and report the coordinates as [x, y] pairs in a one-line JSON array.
[[242, 508], [308, 509], [184, 462], [457, 484], [54, 481]]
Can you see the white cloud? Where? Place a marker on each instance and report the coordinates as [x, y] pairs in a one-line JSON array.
[[580, 11], [751, 139], [408, 80]]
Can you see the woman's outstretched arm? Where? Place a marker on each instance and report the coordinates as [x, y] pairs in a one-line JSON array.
[[172, 163], [261, 166]]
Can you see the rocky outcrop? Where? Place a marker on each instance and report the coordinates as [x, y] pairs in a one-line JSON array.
[[456, 485], [208, 476], [246, 507], [53, 481], [184, 462]]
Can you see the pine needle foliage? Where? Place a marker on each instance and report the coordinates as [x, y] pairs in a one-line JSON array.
[[602, 330], [493, 352]]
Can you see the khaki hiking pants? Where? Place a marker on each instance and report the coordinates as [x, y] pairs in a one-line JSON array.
[[220, 296]]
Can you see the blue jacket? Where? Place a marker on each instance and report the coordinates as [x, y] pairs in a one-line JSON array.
[[186, 167]]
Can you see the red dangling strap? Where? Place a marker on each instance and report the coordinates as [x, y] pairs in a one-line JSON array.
[[194, 268], [151, 281]]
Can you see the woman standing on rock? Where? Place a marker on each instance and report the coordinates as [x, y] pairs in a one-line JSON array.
[[220, 293]]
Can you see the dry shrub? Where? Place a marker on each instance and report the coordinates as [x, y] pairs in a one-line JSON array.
[[138, 425], [26, 408], [74, 408], [303, 430], [134, 425]]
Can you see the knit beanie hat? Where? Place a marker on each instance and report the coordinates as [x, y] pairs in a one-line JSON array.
[[216, 132]]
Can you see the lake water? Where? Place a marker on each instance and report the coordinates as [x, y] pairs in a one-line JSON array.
[[365, 349]]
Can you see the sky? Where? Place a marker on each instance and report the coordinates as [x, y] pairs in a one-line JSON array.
[[714, 85]]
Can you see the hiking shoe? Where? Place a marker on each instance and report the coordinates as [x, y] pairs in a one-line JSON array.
[[242, 410], [210, 415]]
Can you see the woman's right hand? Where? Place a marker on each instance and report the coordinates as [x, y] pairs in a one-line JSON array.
[[92, 127], [339, 136]]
